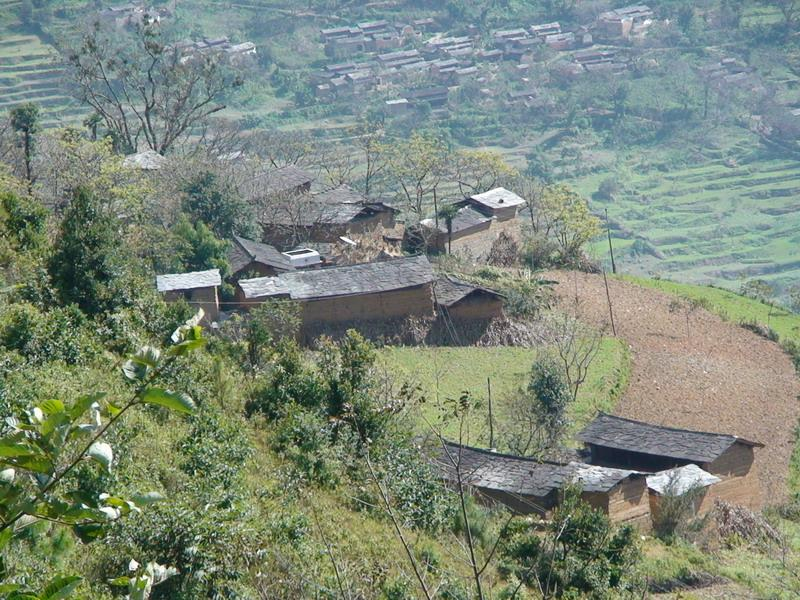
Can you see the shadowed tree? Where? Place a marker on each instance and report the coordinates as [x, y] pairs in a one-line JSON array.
[[24, 121]]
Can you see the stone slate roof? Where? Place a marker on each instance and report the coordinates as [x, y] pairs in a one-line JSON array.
[[244, 251], [466, 218], [680, 480], [655, 440], [524, 476], [351, 280], [497, 198], [449, 291], [283, 179], [188, 281]]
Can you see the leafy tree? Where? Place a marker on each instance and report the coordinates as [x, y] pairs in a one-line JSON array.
[[476, 171], [541, 409], [581, 554], [23, 221], [87, 265], [567, 220], [43, 449], [198, 249], [269, 324], [147, 89], [210, 200], [418, 166], [24, 120], [794, 298], [789, 9]]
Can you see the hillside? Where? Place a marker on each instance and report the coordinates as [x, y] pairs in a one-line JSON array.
[[713, 376], [684, 135]]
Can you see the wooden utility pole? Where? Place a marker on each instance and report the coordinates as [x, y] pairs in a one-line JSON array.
[[610, 308], [491, 417], [610, 247]]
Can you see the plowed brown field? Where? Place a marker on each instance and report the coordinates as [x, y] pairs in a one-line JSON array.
[[721, 378]]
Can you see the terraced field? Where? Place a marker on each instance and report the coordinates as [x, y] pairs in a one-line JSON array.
[[716, 223], [29, 72]]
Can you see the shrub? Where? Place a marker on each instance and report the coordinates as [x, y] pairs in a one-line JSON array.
[[580, 554], [304, 439], [60, 334]]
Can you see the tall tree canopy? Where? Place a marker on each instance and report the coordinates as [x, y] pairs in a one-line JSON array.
[[146, 91], [87, 262]]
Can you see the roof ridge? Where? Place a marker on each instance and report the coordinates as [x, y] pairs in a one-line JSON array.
[[504, 455], [678, 429]]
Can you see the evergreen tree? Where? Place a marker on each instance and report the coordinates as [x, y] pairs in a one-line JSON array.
[[210, 200], [87, 264]]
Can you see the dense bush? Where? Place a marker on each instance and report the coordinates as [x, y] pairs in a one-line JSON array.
[[63, 334], [581, 554]]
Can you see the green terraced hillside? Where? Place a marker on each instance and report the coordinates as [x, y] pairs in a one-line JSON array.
[[29, 71], [719, 222]]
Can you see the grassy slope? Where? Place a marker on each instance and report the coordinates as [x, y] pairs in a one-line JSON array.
[[444, 373], [729, 305]]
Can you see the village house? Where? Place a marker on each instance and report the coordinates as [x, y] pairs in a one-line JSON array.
[[198, 288], [625, 443], [387, 290], [529, 486], [499, 203], [132, 15], [466, 223], [545, 29], [235, 54], [249, 258], [624, 23], [323, 217], [461, 301]]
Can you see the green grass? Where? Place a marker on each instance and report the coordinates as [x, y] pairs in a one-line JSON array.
[[762, 573], [730, 305], [443, 374]]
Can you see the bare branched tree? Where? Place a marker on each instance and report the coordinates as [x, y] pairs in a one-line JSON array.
[[577, 346], [280, 148], [145, 90]]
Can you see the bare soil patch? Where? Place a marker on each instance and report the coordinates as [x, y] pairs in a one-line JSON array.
[[721, 378]]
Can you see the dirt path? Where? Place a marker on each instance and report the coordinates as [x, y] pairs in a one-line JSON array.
[[722, 378]]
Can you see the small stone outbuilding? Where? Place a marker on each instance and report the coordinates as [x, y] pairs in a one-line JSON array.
[[529, 486], [198, 288], [462, 301]]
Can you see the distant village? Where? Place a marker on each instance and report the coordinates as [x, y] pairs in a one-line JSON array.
[[445, 61]]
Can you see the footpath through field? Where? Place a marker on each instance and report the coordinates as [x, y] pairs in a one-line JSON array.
[[721, 378]]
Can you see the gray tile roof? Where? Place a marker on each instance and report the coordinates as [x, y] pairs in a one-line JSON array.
[[337, 206], [449, 291], [466, 218], [283, 179], [497, 198], [524, 476], [341, 195], [655, 440], [244, 251], [351, 280], [188, 281]]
